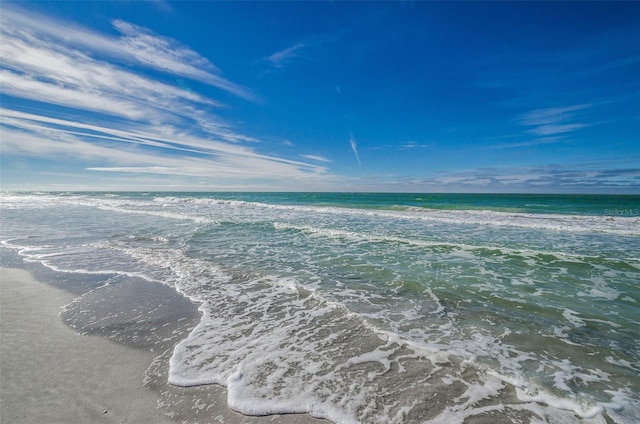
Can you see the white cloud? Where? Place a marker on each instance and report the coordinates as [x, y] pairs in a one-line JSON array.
[[280, 58], [114, 119], [552, 121], [413, 145], [316, 158], [136, 45], [552, 129], [354, 147], [309, 49], [551, 115], [27, 87], [35, 135], [54, 73], [546, 178], [166, 54], [530, 143], [162, 52], [139, 170], [61, 66], [463, 180]]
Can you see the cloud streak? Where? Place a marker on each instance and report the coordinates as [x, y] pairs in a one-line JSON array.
[[136, 45], [85, 107], [354, 147], [310, 45], [284, 56], [545, 178], [316, 158], [553, 121], [142, 149]]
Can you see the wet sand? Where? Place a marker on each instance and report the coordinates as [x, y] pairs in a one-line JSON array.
[[48, 373]]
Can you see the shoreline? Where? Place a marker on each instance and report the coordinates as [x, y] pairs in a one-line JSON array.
[[49, 373]]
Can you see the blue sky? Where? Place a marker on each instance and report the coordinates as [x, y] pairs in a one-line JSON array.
[[321, 96]]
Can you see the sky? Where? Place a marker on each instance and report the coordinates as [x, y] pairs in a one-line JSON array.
[[539, 97]]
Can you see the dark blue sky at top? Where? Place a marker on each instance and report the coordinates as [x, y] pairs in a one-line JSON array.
[[417, 96]]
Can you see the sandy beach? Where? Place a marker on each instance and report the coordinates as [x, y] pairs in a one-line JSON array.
[[51, 374]]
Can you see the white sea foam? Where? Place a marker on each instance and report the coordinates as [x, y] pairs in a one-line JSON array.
[[242, 377], [555, 222], [563, 223], [572, 317], [264, 372], [561, 403]]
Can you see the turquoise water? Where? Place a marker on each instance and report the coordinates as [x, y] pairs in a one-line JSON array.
[[572, 204], [376, 307]]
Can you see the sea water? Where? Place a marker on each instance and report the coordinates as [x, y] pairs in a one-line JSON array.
[[375, 308]]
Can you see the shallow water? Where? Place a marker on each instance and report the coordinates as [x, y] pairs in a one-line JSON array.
[[375, 308]]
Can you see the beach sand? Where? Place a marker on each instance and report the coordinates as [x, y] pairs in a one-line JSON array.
[[48, 373]]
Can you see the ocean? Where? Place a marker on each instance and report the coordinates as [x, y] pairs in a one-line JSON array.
[[370, 308]]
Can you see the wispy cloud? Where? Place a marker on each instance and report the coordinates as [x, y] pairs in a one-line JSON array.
[[284, 56], [586, 177], [354, 147], [403, 146], [86, 106], [530, 143], [552, 121], [316, 158], [163, 6], [307, 49], [553, 129], [141, 148], [546, 126], [162, 52], [546, 178], [136, 45], [409, 145]]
